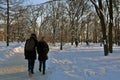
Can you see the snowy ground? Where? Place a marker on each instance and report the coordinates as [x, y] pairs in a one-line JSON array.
[[81, 63]]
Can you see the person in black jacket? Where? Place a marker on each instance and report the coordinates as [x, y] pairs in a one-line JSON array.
[[30, 55], [76, 42], [42, 49]]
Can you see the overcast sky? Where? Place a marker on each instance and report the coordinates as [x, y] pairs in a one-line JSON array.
[[36, 1]]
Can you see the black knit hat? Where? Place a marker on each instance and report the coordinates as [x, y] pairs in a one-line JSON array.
[[33, 35]]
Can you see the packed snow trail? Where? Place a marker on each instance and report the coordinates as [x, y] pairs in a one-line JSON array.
[[71, 63], [15, 67]]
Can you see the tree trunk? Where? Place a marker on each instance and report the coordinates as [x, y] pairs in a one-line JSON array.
[[110, 26], [102, 20], [110, 38], [7, 41], [104, 35]]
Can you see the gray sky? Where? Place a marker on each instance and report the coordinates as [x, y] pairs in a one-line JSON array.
[[37, 1]]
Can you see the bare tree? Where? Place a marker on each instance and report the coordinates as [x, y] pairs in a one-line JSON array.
[[34, 13], [110, 10], [7, 11], [116, 7], [76, 10], [8, 25], [100, 12]]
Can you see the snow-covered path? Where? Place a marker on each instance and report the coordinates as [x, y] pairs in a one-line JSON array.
[[15, 67], [81, 63], [86, 63]]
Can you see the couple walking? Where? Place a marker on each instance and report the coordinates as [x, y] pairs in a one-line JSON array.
[[31, 46]]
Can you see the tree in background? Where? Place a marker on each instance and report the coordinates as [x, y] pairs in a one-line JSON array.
[[100, 9], [7, 12], [100, 12]]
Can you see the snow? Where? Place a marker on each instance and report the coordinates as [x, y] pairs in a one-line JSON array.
[[71, 63]]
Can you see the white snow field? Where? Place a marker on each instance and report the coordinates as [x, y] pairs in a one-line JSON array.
[[71, 63]]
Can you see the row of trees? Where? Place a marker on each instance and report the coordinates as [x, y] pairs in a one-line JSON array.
[[105, 10], [8, 11], [64, 21]]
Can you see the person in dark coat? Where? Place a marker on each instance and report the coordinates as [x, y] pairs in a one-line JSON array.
[[76, 42], [43, 50], [30, 55]]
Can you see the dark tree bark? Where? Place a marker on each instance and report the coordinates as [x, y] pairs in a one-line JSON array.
[[99, 10], [110, 8], [8, 25]]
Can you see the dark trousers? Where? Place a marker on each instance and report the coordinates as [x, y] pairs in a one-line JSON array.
[[31, 65], [42, 64]]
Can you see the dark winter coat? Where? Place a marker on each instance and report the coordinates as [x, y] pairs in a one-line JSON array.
[[31, 54], [43, 50]]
